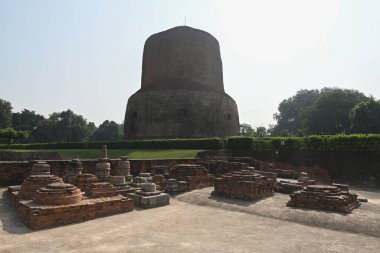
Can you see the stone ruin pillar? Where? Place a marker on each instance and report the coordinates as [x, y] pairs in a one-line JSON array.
[[103, 152], [103, 167], [124, 169], [75, 168], [40, 168]]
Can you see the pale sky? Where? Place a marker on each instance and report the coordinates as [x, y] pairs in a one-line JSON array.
[[87, 55]]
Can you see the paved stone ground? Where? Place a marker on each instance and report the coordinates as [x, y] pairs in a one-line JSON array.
[[194, 222]]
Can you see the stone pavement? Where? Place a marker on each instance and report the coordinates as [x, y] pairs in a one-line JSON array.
[[193, 222]]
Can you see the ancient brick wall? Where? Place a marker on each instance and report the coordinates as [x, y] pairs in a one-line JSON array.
[[340, 164], [14, 172]]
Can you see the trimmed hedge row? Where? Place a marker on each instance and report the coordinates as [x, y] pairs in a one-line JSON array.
[[205, 143], [354, 141]]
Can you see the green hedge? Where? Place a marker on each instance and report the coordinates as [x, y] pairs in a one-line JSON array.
[[353, 141], [205, 143], [239, 142]]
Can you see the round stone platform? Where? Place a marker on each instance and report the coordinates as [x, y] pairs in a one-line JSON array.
[[30, 185], [58, 194]]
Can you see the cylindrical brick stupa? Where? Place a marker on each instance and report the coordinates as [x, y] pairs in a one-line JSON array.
[[182, 92]]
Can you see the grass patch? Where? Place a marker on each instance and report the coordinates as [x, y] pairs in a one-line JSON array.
[[116, 153]]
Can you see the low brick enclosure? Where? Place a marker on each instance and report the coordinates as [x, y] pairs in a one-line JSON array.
[[14, 172]]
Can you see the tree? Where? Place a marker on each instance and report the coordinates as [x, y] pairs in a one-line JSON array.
[[246, 130], [107, 131], [330, 112], [11, 134], [365, 117], [5, 114], [27, 121], [63, 126], [289, 117], [91, 128], [68, 126], [261, 132]]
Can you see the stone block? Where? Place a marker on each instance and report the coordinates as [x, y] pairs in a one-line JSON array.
[[160, 199]]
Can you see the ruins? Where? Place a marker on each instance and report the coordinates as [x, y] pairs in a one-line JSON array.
[[124, 169], [196, 176], [149, 196], [243, 184], [40, 177], [72, 171], [182, 92], [99, 190], [324, 197], [83, 180], [58, 194], [44, 200], [173, 186]]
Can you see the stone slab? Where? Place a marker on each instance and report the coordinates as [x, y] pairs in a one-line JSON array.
[[150, 201]]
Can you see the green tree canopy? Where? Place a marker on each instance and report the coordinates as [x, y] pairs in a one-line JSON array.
[[5, 114], [27, 121], [10, 134], [317, 112], [107, 131], [330, 112], [247, 130], [365, 117], [68, 126], [63, 126], [289, 116]]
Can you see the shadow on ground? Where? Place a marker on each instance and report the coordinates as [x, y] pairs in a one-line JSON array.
[[9, 221], [365, 219]]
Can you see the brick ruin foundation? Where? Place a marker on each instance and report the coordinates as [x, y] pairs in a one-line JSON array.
[[196, 176], [324, 197], [45, 200], [243, 184]]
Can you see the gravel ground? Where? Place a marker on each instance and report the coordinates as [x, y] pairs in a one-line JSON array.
[[194, 222]]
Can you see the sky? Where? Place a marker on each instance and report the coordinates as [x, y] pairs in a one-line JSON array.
[[87, 55]]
